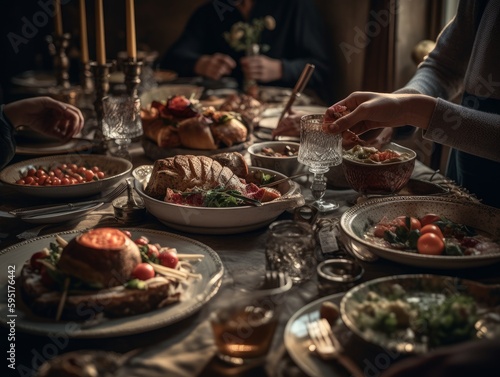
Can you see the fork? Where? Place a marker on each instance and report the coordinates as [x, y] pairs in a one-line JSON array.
[[328, 346], [37, 210]]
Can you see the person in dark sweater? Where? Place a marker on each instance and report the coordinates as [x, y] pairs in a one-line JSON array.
[[464, 64], [298, 38], [42, 114]]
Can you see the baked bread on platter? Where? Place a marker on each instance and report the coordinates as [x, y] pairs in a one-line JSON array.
[[189, 179], [102, 273]]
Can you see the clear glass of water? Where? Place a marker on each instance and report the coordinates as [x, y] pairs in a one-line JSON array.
[[121, 122], [319, 150], [290, 248]]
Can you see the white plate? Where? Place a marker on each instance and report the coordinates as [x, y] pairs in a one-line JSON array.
[[52, 147], [356, 220], [59, 217], [231, 220], [198, 293], [270, 116], [426, 291], [115, 168], [297, 340]]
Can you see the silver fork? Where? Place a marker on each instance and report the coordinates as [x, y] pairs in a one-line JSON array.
[[328, 346], [37, 210]]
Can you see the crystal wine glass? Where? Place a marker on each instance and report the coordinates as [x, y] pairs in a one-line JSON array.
[[319, 150], [122, 122]]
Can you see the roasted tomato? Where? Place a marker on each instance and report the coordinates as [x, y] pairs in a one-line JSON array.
[[143, 271], [429, 218], [180, 106], [414, 222], [431, 228], [430, 244]]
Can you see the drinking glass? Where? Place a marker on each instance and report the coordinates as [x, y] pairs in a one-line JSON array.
[[319, 150], [246, 314], [121, 122]]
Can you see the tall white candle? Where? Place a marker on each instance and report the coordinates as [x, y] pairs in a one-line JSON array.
[[131, 38], [100, 40]]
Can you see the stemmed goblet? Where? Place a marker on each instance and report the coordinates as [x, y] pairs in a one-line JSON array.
[[319, 150], [121, 122]]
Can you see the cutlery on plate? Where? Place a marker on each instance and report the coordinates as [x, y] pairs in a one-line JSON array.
[[328, 347], [304, 78], [41, 210]]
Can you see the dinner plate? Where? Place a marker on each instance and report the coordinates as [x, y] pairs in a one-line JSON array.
[[59, 217], [423, 292], [48, 147], [297, 340], [115, 168], [270, 116], [356, 220], [197, 294], [35, 79]]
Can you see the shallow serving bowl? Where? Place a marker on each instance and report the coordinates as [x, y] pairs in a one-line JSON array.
[[284, 165], [386, 178], [218, 220], [355, 222], [115, 168]]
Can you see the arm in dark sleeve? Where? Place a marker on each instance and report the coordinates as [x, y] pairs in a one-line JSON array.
[[311, 46], [186, 51], [7, 142]]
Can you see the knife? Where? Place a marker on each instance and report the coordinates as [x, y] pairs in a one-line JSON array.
[[52, 209]]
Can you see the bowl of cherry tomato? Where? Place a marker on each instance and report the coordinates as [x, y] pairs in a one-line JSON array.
[[65, 176], [372, 171]]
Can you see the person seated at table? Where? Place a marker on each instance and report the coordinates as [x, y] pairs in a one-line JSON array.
[[464, 62], [42, 114], [297, 38]]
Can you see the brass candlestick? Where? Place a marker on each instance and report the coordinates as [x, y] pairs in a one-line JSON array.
[[61, 61], [132, 70], [101, 85]]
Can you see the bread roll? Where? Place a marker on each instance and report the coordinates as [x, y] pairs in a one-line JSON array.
[[196, 134]]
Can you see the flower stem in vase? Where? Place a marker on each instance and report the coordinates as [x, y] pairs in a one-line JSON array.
[[250, 86]]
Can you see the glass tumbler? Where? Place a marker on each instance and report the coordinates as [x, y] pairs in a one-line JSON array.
[[290, 248]]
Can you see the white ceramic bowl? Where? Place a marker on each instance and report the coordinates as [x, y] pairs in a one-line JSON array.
[[284, 165], [356, 221], [115, 168], [218, 220]]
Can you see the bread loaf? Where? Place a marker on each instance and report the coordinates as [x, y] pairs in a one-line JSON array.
[[187, 171]]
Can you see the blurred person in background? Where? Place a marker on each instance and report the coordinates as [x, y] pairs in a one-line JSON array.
[[464, 63], [293, 35]]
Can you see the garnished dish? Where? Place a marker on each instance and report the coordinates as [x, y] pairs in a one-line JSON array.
[[415, 313], [431, 234], [371, 155], [288, 151], [65, 176], [182, 123], [470, 231], [104, 268], [202, 181]]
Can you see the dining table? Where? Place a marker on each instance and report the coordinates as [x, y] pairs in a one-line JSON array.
[[186, 347]]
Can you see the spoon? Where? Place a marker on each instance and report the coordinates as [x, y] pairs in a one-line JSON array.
[[275, 183]]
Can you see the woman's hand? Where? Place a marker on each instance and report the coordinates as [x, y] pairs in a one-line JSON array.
[[214, 66], [370, 110], [46, 116]]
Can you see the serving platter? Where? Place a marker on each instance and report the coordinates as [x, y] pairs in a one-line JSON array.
[[423, 292], [229, 220], [115, 168], [355, 222], [198, 293]]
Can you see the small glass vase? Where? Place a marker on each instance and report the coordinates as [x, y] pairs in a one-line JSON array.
[[250, 86]]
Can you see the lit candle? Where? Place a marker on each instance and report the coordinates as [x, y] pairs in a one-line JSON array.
[[84, 46], [100, 43], [131, 43], [58, 18]]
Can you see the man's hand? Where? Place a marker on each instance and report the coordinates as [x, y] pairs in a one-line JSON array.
[[261, 68], [214, 66]]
